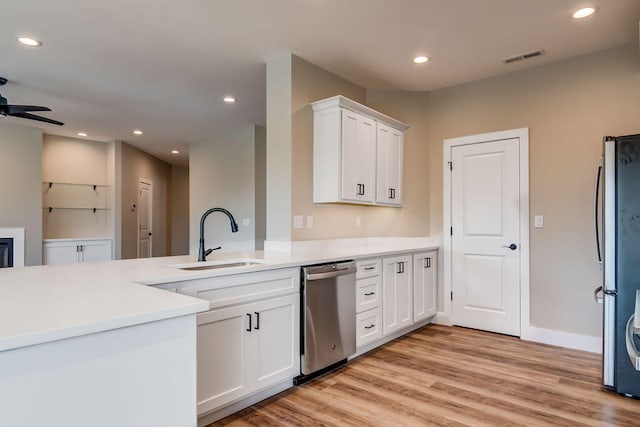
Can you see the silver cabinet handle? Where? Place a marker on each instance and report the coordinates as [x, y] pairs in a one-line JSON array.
[[369, 268], [632, 351], [596, 224]]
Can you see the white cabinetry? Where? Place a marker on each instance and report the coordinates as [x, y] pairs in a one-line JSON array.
[[345, 164], [425, 303], [368, 301], [244, 348], [390, 153], [397, 293], [249, 340], [71, 251]]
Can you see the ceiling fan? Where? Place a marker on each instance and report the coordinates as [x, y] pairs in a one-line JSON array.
[[23, 111]]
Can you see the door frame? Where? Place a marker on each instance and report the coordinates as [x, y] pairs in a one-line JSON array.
[[522, 135], [149, 182]]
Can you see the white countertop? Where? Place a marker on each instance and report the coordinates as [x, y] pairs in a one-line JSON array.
[[47, 303]]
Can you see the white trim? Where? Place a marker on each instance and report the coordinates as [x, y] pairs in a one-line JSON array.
[[149, 212], [18, 236], [562, 339], [523, 137]]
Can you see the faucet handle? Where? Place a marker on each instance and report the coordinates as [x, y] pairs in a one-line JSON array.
[[208, 251]]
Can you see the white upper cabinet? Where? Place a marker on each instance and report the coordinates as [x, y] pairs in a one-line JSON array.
[[390, 153], [346, 164]]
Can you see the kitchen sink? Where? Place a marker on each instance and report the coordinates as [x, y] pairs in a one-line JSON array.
[[219, 264]]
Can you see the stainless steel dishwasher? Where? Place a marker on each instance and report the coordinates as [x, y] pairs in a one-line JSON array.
[[328, 317]]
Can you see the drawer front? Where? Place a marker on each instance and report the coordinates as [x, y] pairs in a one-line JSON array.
[[369, 327], [368, 268], [368, 293]]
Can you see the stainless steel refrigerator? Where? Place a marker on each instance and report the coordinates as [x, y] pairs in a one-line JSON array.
[[618, 247]]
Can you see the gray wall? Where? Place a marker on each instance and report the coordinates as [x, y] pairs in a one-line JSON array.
[[222, 174], [137, 164], [568, 107], [179, 211], [21, 185]]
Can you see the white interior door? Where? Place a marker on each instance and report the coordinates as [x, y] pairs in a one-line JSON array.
[[485, 242], [145, 212]]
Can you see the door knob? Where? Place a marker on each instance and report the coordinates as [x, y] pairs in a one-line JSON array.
[[512, 246]]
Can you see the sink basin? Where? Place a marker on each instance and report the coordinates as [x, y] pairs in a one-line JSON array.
[[219, 264]]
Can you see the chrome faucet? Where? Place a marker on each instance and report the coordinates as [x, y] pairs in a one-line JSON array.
[[202, 254]]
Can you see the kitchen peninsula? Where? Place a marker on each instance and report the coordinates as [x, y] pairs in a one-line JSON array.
[[91, 344]]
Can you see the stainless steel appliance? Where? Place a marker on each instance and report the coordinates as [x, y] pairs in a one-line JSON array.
[[328, 316], [619, 256]]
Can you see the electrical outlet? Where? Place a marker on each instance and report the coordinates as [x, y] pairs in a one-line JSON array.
[[358, 221], [309, 221], [298, 221], [246, 222], [538, 221]]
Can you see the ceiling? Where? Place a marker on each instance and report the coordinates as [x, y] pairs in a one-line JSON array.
[[108, 67]]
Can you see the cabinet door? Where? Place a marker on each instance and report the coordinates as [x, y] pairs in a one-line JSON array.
[[397, 295], [276, 331], [390, 153], [425, 285], [223, 348], [358, 157], [60, 253], [96, 250]]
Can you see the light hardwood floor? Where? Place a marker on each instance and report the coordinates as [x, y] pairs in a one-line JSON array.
[[452, 376]]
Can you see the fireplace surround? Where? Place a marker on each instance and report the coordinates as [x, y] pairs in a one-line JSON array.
[[11, 247]]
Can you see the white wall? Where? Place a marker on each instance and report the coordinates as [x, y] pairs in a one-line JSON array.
[[222, 174], [179, 210], [21, 185]]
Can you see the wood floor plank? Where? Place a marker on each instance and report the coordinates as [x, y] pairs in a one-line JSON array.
[[451, 376]]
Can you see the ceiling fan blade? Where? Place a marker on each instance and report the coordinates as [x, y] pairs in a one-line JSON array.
[[12, 109], [38, 118]]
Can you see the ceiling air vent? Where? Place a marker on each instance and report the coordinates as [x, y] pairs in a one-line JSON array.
[[523, 56]]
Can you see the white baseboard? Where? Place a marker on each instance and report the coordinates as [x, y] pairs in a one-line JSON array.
[[562, 339]]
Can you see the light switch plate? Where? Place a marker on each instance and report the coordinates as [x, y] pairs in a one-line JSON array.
[[298, 221], [358, 222], [246, 222], [538, 221], [309, 221]]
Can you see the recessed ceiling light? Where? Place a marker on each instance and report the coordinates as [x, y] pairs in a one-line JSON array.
[[175, 152], [584, 12], [28, 41], [82, 134], [137, 132], [229, 99], [421, 59]]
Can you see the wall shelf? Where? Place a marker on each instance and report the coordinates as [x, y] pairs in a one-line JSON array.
[[51, 208], [95, 186]]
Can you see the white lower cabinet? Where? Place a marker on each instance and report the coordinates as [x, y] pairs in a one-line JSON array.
[[425, 302], [397, 293], [369, 327], [246, 348], [75, 251]]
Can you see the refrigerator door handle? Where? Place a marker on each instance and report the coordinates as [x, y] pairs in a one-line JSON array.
[[599, 298], [632, 351], [595, 212]]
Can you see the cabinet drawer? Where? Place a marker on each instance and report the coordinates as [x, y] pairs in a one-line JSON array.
[[368, 293], [368, 327], [368, 268]]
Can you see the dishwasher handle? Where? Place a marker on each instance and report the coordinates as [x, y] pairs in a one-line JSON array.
[[330, 274]]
